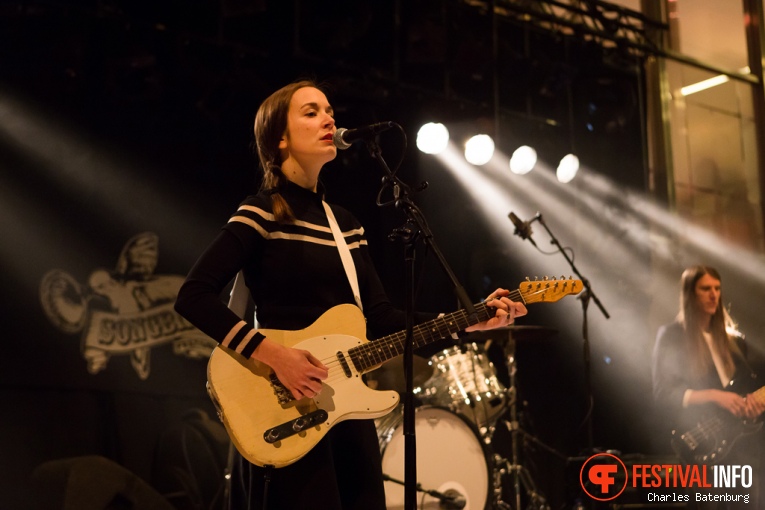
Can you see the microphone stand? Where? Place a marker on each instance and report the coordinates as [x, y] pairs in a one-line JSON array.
[[585, 297], [415, 227]]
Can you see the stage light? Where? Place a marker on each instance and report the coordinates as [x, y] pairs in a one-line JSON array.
[[432, 138], [567, 168], [709, 83], [479, 149], [523, 160], [703, 85], [614, 228]]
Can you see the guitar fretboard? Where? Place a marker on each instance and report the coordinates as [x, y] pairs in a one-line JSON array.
[[377, 352]]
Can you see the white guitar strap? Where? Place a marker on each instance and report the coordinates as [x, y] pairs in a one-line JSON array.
[[240, 295], [345, 254]]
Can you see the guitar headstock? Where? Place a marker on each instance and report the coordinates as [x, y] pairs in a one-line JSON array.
[[549, 290]]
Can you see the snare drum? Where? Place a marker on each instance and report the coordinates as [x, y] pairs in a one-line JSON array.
[[451, 458], [465, 382]]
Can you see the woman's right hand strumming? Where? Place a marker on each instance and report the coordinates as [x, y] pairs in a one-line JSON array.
[[297, 369]]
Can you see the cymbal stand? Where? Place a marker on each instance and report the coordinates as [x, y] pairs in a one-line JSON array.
[[521, 475]]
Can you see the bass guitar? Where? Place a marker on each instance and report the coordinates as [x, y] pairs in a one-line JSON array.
[[270, 427], [713, 436]]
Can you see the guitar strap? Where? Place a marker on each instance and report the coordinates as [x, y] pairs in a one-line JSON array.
[[239, 294], [345, 254]]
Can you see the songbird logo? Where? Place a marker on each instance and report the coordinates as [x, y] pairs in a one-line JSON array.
[[124, 311]]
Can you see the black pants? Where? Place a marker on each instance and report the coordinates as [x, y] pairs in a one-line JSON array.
[[342, 472]]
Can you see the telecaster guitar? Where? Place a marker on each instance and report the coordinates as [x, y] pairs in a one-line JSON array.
[[269, 427], [710, 441]]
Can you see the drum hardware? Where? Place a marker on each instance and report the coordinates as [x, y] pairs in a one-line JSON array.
[[463, 404], [522, 479], [521, 476], [450, 500]]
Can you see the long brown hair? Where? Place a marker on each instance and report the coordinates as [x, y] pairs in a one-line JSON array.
[[721, 326], [270, 126]]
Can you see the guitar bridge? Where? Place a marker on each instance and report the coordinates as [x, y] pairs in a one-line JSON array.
[[295, 426], [283, 395]]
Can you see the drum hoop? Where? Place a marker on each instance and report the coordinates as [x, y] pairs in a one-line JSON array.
[[388, 434], [486, 451]]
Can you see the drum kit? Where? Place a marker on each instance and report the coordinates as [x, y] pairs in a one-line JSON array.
[[461, 405]]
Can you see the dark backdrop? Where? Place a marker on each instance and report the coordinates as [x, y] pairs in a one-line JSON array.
[[129, 124]]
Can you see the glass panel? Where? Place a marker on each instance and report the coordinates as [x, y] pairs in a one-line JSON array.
[[714, 156], [711, 31]]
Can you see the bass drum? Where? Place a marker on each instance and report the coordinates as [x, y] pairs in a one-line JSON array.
[[451, 458]]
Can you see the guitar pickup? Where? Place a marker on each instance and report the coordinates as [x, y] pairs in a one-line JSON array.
[[295, 426], [344, 364]]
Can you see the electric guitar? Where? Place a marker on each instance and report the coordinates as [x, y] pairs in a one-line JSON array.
[[713, 436], [270, 427]]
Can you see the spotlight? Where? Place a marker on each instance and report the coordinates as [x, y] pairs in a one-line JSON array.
[[479, 150], [523, 160], [709, 83], [567, 168], [432, 138]]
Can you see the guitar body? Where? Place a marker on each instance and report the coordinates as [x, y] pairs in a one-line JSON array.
[[713, 436], [711, 440], [270, 428], [244, 393]]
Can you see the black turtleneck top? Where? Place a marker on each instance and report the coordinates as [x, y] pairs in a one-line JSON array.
[[294, 272]]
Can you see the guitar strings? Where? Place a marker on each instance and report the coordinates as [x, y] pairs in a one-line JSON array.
[[333, 363], [420, 331], [709, 428], [706, 430]]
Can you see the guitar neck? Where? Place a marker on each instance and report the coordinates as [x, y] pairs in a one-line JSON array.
[[376, 352]]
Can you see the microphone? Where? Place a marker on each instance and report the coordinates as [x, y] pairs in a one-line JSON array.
[[522, 228], [453, 500], [344, 138]]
